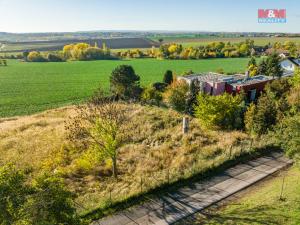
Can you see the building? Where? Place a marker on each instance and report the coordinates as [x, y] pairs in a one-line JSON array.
[[217, 84], [251, 86], [211, 83], [289, 64], [259, 50]]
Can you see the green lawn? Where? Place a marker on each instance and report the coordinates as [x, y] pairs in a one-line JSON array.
[[26, 88], [261, 205]]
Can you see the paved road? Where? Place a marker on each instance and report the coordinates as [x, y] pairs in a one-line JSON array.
[[185, 201]]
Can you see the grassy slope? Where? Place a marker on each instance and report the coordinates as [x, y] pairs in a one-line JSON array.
[[27, 88], [261, 205], [158, 144]]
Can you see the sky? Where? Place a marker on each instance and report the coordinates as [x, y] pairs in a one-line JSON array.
[[174, 15]]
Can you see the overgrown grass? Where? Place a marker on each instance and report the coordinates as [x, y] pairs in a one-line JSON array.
[[260, 205], [159, 153], [27, 88]]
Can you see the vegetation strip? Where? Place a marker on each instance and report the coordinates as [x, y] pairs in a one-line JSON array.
[[202, 194], [164, 188]]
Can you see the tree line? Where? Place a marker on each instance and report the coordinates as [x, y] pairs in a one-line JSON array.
[[84, 51], [79, 51]]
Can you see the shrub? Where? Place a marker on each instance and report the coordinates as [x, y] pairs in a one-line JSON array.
[[151, 95], [13, 192], [223, 111], [51, 203], [43, 201], [176, 95], [159, 86]]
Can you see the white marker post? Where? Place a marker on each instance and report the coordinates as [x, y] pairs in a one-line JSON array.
[[185, 125]]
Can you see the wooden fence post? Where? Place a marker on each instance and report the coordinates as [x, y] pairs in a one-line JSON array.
[[230, 151]]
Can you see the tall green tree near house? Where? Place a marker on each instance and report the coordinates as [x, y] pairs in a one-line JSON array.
[[124, 82], [260, 118], [262, 67], [273, 66], [194, 91]]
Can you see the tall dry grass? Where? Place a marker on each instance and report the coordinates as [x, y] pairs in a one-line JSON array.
[[158, 149]]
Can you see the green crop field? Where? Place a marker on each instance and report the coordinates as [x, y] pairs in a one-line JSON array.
[[260, 41], [26, 88]]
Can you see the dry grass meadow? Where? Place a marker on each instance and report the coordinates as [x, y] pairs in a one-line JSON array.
[[158, 149]]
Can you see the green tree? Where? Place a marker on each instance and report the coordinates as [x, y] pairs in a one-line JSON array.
[[168, 77], [262, 67], [259, 119], [224, 111], [273, 66], [124, 82], [192, 96], [278, 89], [102, 129], [287, 135]]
